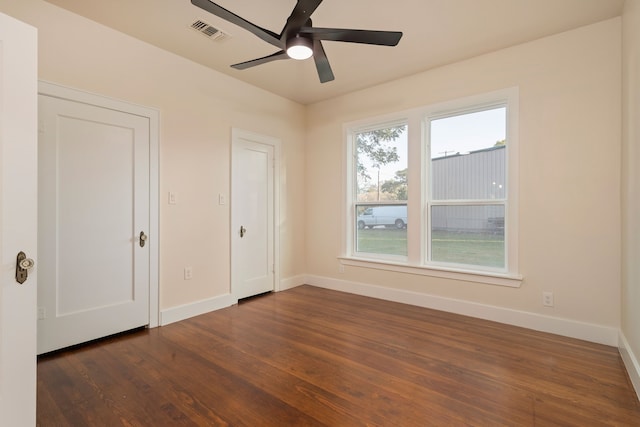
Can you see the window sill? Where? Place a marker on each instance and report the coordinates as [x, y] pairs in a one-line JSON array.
[[489, 278]]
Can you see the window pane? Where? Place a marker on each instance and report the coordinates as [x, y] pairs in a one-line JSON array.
[[381, 229], [468, 156], [381, 164], [472, 235]]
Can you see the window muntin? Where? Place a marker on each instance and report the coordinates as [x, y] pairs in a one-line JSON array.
[[380, 205]]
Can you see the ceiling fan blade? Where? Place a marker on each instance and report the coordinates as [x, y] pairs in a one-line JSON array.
[[382, 38], [248, 64], [221, 12], [322, 62], [299, 16]]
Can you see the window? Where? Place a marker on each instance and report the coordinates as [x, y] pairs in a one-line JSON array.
[[467, 181], [433, 190], [380, 176]]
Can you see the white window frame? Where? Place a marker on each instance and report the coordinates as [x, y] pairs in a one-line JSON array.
[[418, 239], [430, 202]]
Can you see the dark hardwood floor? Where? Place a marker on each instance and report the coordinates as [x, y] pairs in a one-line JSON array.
[[314, 357]]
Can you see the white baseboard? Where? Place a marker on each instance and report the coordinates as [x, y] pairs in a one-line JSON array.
[[555, 325], [291, 282], [182, 312], [630, 362]]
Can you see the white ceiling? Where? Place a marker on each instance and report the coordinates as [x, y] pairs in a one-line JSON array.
[[436, 32]]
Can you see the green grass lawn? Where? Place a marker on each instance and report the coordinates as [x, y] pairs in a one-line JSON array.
[[464, 248], [390, 241]]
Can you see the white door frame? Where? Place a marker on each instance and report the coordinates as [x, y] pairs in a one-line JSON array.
[[236, 135], [58, 91]]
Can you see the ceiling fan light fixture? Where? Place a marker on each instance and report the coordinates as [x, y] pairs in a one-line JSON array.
[[301, 39], [299, 48]]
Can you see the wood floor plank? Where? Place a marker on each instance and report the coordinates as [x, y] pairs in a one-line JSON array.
[[257, 369], [501, 354], [346, 358], [327, 373], [315, 357]]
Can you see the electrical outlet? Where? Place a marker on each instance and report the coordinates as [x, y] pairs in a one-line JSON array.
[[188, 273], [341, 268], [547, 299], [42, 313]]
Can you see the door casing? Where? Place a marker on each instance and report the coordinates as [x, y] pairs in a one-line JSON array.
[[55, 90], [238, 135]]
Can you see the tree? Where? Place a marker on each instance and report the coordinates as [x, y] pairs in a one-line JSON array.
[[397, 186], [376, 146], [500, 143]]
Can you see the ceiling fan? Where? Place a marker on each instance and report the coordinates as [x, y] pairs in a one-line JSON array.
[[299, 39]]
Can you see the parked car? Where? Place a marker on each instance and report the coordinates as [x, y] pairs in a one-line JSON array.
[[389, 216]]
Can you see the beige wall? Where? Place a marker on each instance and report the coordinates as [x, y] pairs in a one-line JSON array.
[[570, 106], [198, 107], [631, 176]]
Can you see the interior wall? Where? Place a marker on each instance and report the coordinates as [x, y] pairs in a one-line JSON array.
[[570, 109], [631, 176], [198, 107], [569, 136]]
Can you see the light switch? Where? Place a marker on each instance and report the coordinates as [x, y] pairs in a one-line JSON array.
[[172, 198]]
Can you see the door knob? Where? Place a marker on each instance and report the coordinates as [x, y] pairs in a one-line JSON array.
[[23, 264], [143, 239], [243, 231]]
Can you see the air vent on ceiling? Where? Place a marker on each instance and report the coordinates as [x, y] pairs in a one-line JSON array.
[[207, 30]]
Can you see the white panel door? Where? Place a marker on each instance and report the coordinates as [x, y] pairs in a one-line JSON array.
[[18, 220], [93, 207], [252, 215]]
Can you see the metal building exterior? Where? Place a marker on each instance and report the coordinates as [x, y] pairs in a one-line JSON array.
[[477, 176]]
